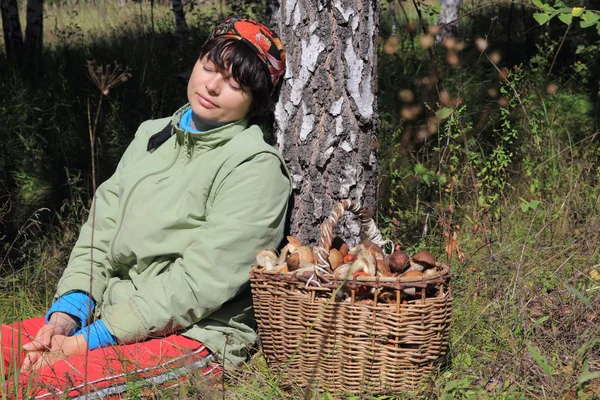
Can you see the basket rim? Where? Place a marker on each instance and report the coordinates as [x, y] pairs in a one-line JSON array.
[[329, 280]]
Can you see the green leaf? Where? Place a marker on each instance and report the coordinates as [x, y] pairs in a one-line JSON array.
[[583, 378], [590, 17], [442, 179], [444, 113], [566, 18], [420, 170], [543, 6], [598, 27], [580, 296], [541, 360], [427, 178], [542, 18]]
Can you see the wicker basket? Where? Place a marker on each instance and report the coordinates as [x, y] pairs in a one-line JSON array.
[[314, 340]]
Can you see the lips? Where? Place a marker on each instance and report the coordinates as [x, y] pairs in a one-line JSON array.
[[205, 102]]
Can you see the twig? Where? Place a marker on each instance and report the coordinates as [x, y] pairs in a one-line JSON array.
[[434, 69], [558, 51]]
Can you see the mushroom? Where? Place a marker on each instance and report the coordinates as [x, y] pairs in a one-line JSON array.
[[411, 274], [373, 248], [430, 273], [348, 258], [267, 259], [424, 258], [346, 271], [335, 258], [383, 268], [301, 256], [398, 261], [293, 243], [283, 254], [343, 249], [368, 261], [339, 244]]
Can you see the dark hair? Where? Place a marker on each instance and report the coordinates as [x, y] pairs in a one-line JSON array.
[[247, 69]]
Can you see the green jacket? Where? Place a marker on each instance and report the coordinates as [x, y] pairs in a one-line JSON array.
[[175, 233]]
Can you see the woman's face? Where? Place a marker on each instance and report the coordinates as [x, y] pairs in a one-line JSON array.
[[215, 96]]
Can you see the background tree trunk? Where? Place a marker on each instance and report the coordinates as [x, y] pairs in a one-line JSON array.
[[34, 36], [181, 28], [273, 14], [13, 36], [326, 118], [450, 10]]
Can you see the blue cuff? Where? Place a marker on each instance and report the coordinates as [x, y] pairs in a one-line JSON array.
[[97, 335], [77, 304]]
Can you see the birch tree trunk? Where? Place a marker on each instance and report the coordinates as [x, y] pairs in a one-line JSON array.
[[181, 29], [326, 118], [450, 10], [34, 36], [273, 14], [13, 37]]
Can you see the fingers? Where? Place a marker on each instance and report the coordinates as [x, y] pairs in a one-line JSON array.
[[29, 360], [46, 360], [42, 339]]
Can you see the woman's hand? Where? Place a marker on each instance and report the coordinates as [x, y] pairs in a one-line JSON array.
[[59, 324], [60, 347]]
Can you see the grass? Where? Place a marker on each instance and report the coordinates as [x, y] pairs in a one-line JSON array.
[[522, 239]]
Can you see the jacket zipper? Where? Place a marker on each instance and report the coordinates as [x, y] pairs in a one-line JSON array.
[[129, 197]]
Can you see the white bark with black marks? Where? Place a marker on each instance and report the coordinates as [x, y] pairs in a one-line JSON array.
[[326, 118], [449, 13], [273, 14], [13, 36]]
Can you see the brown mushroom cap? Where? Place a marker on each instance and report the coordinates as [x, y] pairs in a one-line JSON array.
[[335, 258], [373, 248], [398, 261], [383, 268], [293, 243], [305, 254], [293, 261], [412, 274], [424, 258]]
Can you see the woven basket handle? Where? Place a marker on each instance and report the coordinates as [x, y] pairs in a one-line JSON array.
[[368, 229]]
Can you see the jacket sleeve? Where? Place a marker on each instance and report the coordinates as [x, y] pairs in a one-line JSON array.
[[87, 258], [248, 214]]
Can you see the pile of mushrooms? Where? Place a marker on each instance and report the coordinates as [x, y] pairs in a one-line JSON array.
[[366, 259]]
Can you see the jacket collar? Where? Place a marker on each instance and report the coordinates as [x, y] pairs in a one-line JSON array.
[[208, 139]]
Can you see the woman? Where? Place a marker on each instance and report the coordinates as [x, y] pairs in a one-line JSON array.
[[158, 280]]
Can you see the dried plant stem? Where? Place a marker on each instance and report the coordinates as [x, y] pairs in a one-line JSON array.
[[92, 133], [558, 51]]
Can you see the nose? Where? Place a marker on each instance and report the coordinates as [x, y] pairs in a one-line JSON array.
[[213, 85]]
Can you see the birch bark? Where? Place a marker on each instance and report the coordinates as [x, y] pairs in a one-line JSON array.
[[450, 10], [326, 118]]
